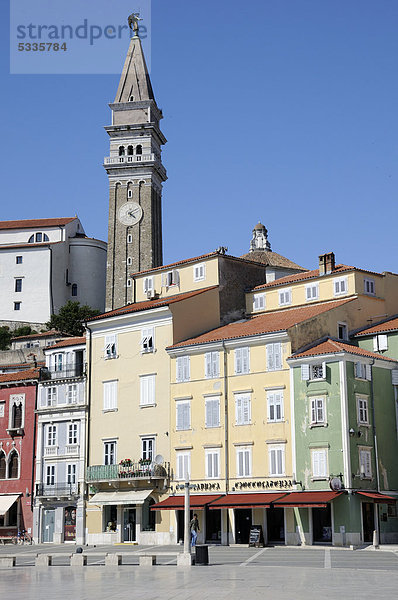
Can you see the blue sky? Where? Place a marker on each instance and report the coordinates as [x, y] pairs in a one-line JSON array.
[[282, 111]]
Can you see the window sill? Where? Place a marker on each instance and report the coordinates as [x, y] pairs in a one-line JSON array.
[[212, 426], [318, 425], [314, 379], [271, 422], [151, 405], [108, 410], [111, 357], [361, 424], [242, 424], [323, 478], [183, 381], [277, 475], [151, 351]]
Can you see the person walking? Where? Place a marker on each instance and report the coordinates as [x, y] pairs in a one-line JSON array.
[[194, 525]]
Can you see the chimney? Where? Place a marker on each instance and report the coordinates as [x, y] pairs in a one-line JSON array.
[[327, 263]]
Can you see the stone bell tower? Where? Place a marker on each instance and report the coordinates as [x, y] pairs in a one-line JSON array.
[[136, 174]]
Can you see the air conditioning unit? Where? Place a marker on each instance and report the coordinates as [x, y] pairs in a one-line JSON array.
[[151, 294]]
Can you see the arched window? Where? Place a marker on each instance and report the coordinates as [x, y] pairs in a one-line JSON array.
[[17, 416], [3, 465], [74, 289], [45, 237], [122, 151], [13, 465], [138, 149], [39, 237], [31, 239], [131, 98], [130, 150]]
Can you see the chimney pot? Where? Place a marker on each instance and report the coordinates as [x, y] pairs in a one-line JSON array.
[[327, 263]]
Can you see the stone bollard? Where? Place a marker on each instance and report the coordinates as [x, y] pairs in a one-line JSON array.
[[375, 539], [147, 561], [113, 560], [184, 559], [78, 560], [43, 560], [6, 562]]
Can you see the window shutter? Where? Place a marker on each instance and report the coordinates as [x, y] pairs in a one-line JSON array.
[[247, 462], [279, 454], [368, 372], [394, 376], [238, 361], [176, 277], [324, 370], [215, 359], [305, 372], [246, 410], [179, 370], [179, 417], [216, 413], [215, 465], [270, 357], [238, 407], [187, 415], [186, 368], [273, 462], [208, 413], [245, 360], [383, 342], [357, 369], [313, 410], [208, 365], [375, 344], [164, 279]]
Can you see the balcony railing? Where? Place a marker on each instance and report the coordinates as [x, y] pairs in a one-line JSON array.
[[112, 160], [135, 470], [64, 373], [59, 489]]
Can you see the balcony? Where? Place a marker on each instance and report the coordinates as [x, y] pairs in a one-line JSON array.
[[68, 372], [114, 160], [58, 490], [134, 471]]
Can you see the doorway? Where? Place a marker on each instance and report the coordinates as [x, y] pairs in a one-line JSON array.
[[213, 526], [276, 525], [180, 524], [243, 522], [47, 534], [129, 524], [322, 525], [368, 521]]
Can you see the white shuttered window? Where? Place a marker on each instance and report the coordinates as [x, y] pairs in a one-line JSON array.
[[110, 395], [276, 456], [183, 415], [110, 350], [147, 389], [212, 457], [182, 368], [319, 463], [275, 406], [274, 356], [242, 409], [242, 361], [212, 365], [243, 461], [212, 412], [183, 465]]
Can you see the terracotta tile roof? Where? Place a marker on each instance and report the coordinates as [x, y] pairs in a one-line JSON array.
[[20, 376], [332, 346], [21, 366], [34, 223], [279, 320], [387, 325], [148, 304], [74, 341], [314, 274], [43, 334], [272, 259]]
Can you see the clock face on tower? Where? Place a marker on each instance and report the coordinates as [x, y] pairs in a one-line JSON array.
[[130, 213]]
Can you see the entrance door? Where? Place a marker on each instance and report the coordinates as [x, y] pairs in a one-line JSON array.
[[276, 525], [213, 526], [70, 524], [129, 521], [47, 533], [322, 525], [180, 524], [368, 521], [243, 522]]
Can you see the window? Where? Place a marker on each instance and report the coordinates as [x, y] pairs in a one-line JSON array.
[[147, 390], [183, 415], [2, 407], [18, 260], [39, 237], [51, 435], [318, 413], [243, 461], [129, 261], [138, 149], [199, 272], [51, 396], [147, 344], [3, 465], [71, 393], [276, 456], [183, 465], [130, 192], [380, 342], [340, 286], [212, 464], [16, 411], [129, 238], [130, 152], [74, 289], [182, 368], [50, 475], [365, 463], [17, 305], [285, 297], [72, 433], [274, 356], [212, 412], [258, 302], [319, 462], [369, 286], [13, 465], [18, 285], [363, 371], [315, 371], [275, 406], [212, 365], [148, 285], [362, 410], [148, 448], [342, 331], [110, 395], [71, 474], [170, 278], [242, 409], [128, 283], [58, 362], [311, 291], [110, 347], [242, 361], [122, 151], [31, 239], [110, 453]]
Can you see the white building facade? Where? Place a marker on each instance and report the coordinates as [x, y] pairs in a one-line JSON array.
[[43, 264], [59, 514]]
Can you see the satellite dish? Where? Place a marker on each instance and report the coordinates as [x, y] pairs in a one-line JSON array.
[[335, 484], [159, 459]]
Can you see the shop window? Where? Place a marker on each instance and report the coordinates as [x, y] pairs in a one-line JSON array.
[[110, 517]]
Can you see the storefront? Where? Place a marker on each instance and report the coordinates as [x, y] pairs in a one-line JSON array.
[[9, 515]]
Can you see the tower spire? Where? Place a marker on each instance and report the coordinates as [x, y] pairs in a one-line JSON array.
[[135, 83]]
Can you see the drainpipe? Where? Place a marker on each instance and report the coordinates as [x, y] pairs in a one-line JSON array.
[[32, 485], [226, 443], [88, 397], [374, 426]]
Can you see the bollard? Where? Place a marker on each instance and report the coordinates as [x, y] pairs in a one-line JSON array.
[[375, 539], [113, 560], [147, 561], [78, 560], [6, 562], [43, 560]]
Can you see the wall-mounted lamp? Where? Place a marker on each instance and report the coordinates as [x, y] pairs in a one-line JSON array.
[[27, 493], [351, 432]]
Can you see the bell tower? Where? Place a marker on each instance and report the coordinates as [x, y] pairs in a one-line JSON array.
[[136, 175]]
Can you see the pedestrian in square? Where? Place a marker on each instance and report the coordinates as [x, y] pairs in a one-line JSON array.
[[194, 525]]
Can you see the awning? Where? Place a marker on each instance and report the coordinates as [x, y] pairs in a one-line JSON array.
[[379, 498], [177, 502], [260, 500], [307, 499], [133, 497], [6, 501]]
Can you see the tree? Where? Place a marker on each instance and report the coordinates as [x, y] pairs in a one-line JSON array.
[[22, 331], [70, 318], [5, 337]]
